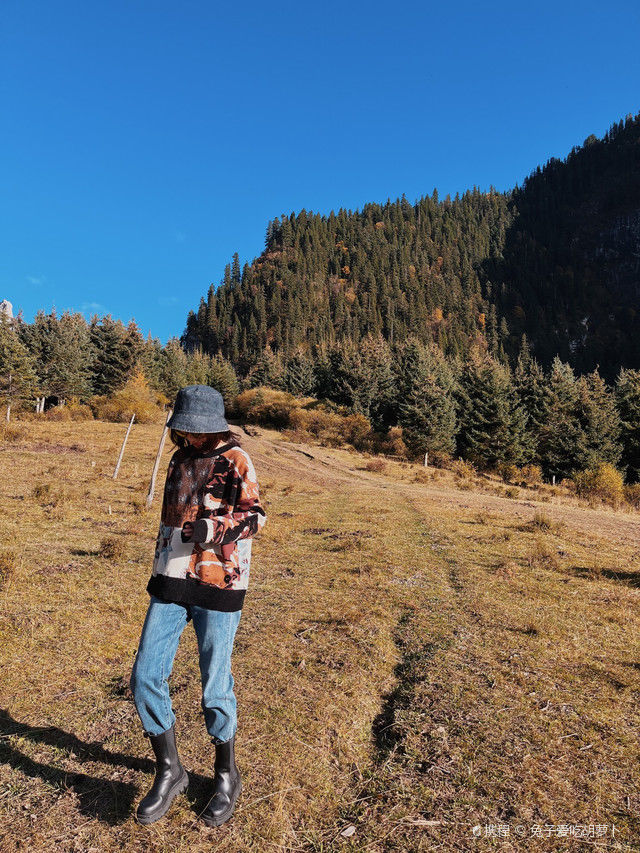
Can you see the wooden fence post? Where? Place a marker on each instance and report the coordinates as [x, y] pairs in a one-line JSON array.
[[115, 473], [156, 464], [426, 459]]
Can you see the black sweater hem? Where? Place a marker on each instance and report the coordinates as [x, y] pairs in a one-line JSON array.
[[193, 591]]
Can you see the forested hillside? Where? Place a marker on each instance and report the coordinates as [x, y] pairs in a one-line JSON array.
[[557, 259], [499, 327]]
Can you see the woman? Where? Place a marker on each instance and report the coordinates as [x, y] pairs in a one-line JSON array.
[[210, 512]]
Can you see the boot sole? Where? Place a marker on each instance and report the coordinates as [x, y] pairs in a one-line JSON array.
[[225, 815], [181, 785]]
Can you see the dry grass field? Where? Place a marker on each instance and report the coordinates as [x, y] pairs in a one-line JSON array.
[[418, 656]]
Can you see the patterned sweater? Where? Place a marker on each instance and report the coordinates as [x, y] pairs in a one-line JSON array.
[[220, 486]]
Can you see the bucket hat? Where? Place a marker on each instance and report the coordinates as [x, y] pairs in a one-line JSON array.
[[198, 408]]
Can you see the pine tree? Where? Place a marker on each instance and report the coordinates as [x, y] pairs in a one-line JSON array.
[[628, 403], [115, 353], [198, 368], [298, 375], [600, 421], [266, 371], [173, 370], [18, 380], [426, 408], [223, 377], [492, 420], [62, 353], [563, 443], [529, 385], [151, 361]]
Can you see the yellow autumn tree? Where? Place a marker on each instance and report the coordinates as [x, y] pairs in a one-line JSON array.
[[136, 397]]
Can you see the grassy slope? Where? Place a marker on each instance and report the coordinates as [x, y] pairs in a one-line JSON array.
[[412, 659]]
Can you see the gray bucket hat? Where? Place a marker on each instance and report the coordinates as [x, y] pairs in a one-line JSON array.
[[198, 408]]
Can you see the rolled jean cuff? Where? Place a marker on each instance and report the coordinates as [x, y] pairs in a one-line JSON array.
[[218, 741]]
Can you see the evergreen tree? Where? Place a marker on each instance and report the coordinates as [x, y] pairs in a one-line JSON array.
[[18, 380], [529, 385], [173, 371], [150, 360], [482, 265], [223, 377], [563, 445], [492, 420], [600, 420], [426, 408], [359, 377], [267, 371], [298, 376], [62, 354], [628, 403], [115, 353], [198, 368]]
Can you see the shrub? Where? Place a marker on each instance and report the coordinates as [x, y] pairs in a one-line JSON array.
[[509, 473], [10, 433], [325, 426], [531, 475], [463, 469], [357, 431], [632, 494], [73, 410], [376, 465], [135, 398], [78, 411], [541, 520], [332, 428], [603, 482], [439, 459], [265, 406], [58, 413], [392, 443], [512, 492]]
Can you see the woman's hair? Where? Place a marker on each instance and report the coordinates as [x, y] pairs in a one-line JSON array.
[[228, 436]]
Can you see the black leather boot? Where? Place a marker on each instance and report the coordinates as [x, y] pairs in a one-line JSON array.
[[227, 785], [171, 778]]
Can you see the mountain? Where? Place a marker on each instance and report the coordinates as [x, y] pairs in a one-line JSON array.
[[557, 260], [569, 271]]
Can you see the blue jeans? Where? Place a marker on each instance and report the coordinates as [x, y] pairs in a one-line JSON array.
[[161, 633]]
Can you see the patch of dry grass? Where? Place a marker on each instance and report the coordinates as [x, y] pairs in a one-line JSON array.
[[8, 563], [394, 674]]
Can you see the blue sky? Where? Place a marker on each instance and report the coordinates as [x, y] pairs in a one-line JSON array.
[[144, 143]]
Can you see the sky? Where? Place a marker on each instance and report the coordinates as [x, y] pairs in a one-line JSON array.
[[144, 143]]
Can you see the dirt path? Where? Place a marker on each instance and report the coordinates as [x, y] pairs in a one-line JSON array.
[[326, 466]]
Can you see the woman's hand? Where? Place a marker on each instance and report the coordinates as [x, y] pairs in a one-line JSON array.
[[187, 531]]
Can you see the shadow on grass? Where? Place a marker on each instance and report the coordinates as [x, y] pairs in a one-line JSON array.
[[630, 578], [107, 800], [388, 732]]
